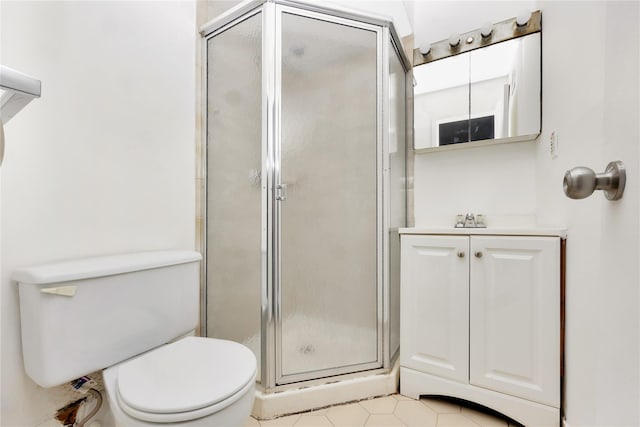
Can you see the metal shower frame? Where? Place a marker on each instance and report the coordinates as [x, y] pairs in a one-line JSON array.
[[271, 370]]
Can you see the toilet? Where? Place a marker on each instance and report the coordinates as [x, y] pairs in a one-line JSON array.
[[129, 315]]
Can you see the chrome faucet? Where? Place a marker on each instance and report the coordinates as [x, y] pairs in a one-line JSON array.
[[470, 220]]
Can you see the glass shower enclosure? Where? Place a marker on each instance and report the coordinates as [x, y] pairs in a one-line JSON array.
[[305, 158]]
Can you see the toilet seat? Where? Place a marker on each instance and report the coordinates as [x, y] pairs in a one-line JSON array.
[[188, 379]]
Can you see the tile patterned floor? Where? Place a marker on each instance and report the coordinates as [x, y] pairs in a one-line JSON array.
[[390, 411]]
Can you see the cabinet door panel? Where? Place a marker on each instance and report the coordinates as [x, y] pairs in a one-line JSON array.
[[515, 316], [435, 305]]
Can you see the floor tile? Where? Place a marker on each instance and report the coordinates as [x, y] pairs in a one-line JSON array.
[[380, 405], [441, 406], [484, 419], [352, 415], [415, 414], [455, 420], [383, 420], [401, 397], [313, 421], [391, 411], [322, 411], [252, 422], [287, 421]]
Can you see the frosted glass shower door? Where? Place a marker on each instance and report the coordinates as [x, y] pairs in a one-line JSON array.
[[234, 268], [328, 202]]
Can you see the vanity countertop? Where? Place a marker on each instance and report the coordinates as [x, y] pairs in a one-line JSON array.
[[489, 231]]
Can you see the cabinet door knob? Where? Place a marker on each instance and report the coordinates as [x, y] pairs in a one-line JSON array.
[[461, 254], [478, 254]]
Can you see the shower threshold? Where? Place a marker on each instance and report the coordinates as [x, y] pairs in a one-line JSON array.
[[307, 398]]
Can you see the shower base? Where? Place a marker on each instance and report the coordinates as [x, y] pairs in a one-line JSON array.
[[306, 398]]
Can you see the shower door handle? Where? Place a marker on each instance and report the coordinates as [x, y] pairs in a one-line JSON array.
[[281, 192]]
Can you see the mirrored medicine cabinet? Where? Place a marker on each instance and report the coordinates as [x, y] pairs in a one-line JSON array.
[[485, 90]]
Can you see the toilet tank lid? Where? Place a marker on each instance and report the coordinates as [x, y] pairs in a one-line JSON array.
[[109, 265]]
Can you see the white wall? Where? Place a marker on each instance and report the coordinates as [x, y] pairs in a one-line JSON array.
[[104, 161], [591, 98], [497, 181], [397, 10], [400, 11]]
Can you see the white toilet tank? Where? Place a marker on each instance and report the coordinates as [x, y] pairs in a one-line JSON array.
[[84, 315]]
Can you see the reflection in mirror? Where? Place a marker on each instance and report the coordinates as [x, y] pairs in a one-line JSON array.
[[505, 85], [488, 94], [441, 96]]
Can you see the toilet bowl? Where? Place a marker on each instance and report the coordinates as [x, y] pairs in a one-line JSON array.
[[191, 382]]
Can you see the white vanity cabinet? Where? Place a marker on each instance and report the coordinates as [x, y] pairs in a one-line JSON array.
[[434, 305], [480, 320]]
